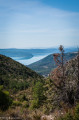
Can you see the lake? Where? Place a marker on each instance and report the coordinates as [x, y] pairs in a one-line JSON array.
[[29, 61]]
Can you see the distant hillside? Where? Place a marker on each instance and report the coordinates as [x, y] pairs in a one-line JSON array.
[[46, 65], [16, 53], [28, 53], [15, 75], [67, 91]]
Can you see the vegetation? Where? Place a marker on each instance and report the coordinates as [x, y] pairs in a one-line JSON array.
[[38, 95], [72, 115], [34, 97], [14, 75], [5, 99], [47, 64]]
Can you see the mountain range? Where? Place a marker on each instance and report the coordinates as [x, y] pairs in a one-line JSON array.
[[32, 52]]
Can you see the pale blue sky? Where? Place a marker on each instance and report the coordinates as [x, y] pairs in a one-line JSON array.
[[39, 23]]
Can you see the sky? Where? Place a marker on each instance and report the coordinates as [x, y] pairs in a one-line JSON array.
[[39, 23]]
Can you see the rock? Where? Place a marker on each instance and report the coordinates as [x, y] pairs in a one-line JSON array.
[[47, 117]]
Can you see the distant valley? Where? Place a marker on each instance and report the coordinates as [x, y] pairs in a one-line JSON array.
[[29, 56], [47, 64]]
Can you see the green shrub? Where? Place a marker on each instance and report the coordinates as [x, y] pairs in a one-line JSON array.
[[76, 117], [18, 85], [38, 95], [17, 103], [37, 116], [68, 116], [23, 98], [5, 100], [25, 104], [35, 104], [1, 87]]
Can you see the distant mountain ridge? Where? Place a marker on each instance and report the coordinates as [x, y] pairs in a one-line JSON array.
[[16, 53], [47, 64], [28, 56], [23, 52]]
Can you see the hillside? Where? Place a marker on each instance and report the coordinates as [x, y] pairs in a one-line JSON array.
[[47, 64], [15, 75], [62, 96], [33, 96], [19, 81]]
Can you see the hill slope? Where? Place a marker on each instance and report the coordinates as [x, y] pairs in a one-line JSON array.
[[47, 64], [67, 90], [54, 98], [14, 74]]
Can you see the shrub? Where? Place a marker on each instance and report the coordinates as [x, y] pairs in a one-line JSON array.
[[38, 95], [17, 103], [68, 116], [76, 117], [23, 98], [36, 116], [5, 100], [35, 104], [25, 104]]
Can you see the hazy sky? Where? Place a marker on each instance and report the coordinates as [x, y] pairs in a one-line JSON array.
[[39, 23]]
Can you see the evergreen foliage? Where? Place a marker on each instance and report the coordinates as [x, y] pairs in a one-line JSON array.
[[14, 75], [38, 95]]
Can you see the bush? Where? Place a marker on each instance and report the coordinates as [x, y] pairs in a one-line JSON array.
[[23, 98], [25, 104], [17, 103], [18, 85], [38, 95], [76, 117], [35, 104], [36, 116], [68, 116], [5, 100]]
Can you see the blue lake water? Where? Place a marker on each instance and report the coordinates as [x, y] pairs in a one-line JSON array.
[[29, 61]]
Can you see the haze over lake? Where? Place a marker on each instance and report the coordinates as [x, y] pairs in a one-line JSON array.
[[28, 56], [29, 61]]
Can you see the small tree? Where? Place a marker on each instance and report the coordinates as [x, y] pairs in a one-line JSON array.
[[65, 91], [38, 94], [59, 60]]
